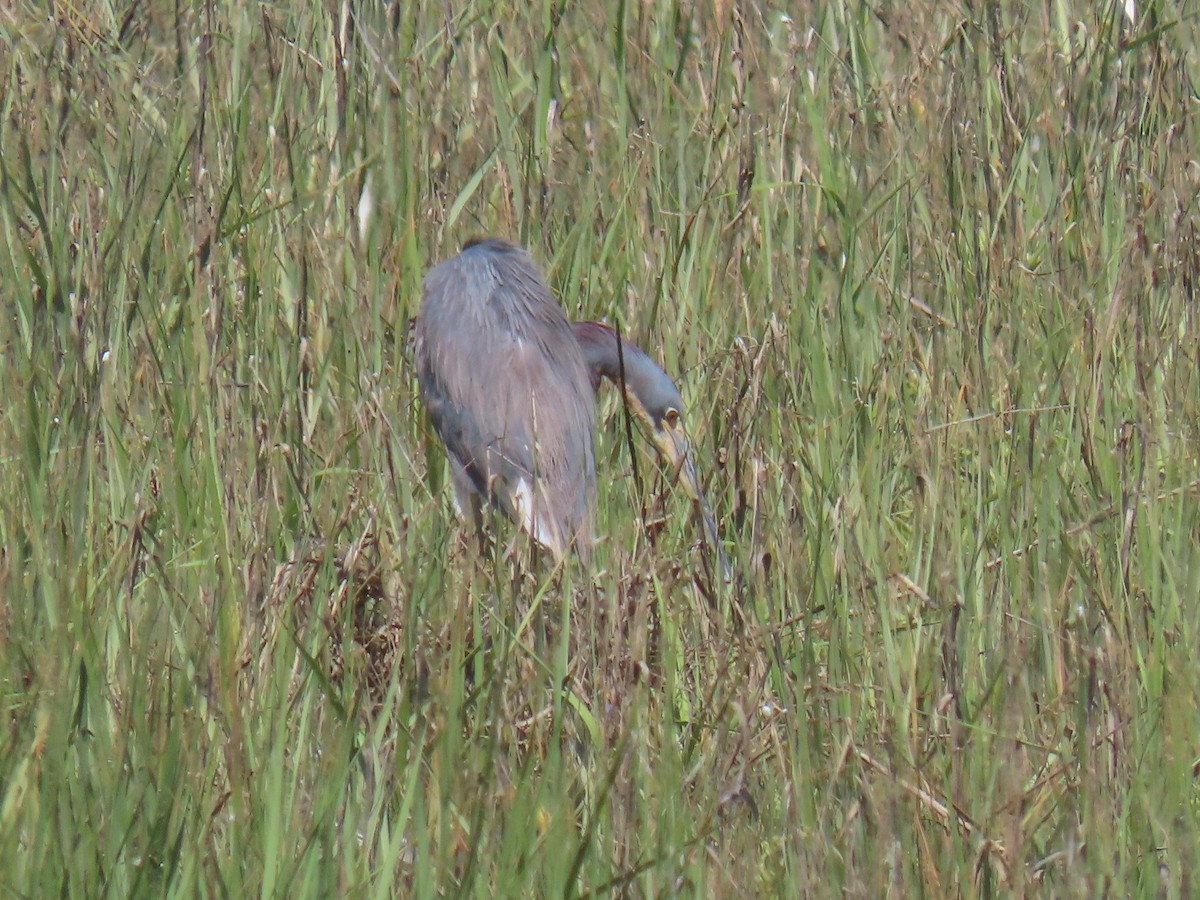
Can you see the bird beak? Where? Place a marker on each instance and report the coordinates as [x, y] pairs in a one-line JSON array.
[[672, 443]]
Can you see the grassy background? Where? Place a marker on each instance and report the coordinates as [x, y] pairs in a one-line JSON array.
[[926, 274]]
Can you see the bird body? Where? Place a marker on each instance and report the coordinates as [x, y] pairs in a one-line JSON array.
[[508, 392]]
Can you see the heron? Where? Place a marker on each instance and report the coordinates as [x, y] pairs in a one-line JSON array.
[[509, 383]]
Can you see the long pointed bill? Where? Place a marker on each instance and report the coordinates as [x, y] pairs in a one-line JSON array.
[[672, 443]]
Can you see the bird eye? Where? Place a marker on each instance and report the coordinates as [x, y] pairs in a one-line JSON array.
[[671, 417]]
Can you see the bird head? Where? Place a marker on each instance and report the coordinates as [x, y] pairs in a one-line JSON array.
[[664, 426], [649, 393], [658, 407]]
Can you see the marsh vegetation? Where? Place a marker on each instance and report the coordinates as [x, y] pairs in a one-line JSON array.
[[925, 274]]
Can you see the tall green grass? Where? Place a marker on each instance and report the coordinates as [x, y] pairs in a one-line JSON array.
[[926, 277]]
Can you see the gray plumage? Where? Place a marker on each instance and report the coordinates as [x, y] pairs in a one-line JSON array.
[[508, 392]]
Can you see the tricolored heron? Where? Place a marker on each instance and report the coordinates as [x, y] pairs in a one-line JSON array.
[[509, 384]]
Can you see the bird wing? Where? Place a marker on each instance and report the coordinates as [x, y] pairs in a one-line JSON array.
[[507, 389]]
